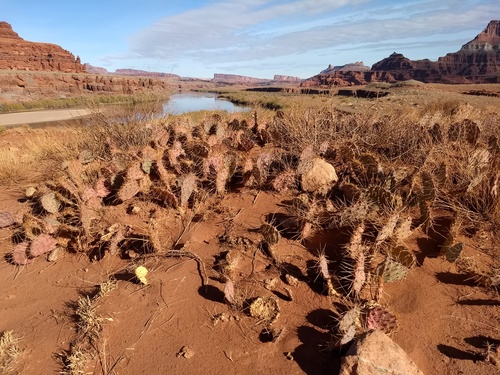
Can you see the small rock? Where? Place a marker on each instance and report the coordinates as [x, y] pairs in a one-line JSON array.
[[269, 284], [185, 352], [317, 175], [376, 354], [85, 157], [30, 191], [55, 254], [291, 280]]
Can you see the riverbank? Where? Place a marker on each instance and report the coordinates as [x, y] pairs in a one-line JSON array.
[[35, 117]]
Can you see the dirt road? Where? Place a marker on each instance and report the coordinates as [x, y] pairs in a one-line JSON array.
[[12, 119]]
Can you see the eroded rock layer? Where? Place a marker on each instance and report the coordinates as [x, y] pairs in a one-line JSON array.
[[19, 54]]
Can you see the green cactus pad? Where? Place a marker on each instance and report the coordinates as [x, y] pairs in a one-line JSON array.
[[392, 271]]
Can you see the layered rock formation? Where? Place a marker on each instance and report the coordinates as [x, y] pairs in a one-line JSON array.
[[143, 73], [286, 79], [95, 69], [478, 61], [233, 79], [40, 84], [357, 66], [19, 54]]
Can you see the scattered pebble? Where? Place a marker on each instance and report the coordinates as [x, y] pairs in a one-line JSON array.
[[185, 352], [55, 254], [291, 280]]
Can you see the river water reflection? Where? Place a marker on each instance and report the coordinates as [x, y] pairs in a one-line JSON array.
[[192, 102]]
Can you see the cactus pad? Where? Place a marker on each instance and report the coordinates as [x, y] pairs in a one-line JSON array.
[[382, 319], [188, 185], [6, 219], [41, 245], [270, 233], [19, 254], [50, 203], [128, 190], [383, 198], [392, 271], [403, 256], [349, 324], [429, 191]]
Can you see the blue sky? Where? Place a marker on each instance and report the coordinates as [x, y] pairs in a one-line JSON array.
[[256, 38]]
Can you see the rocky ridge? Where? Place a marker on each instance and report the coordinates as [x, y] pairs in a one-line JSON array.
[[478, 61], [19, 54]]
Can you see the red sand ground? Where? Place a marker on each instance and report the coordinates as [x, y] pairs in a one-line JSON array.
[[444, 320]]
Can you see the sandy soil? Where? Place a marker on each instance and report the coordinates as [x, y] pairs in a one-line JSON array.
[[444, 319], [20, 118]]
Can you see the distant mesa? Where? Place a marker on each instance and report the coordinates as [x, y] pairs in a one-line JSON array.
[[234, 79], [95, 69], [19, 54], [286, 79], [357, 66], [128, 72], [143, 73], [478, 61]]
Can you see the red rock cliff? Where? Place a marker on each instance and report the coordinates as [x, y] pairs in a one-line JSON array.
[[478, 61], [19, 54]]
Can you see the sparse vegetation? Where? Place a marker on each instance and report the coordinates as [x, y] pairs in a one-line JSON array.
[[355, 186], [9, 351]]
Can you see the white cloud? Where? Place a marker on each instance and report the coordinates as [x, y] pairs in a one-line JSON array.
[[251, 32]]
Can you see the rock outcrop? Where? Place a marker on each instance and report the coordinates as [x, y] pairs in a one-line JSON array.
[[376, 354], [478, 61], [357, 66], [286, 79], [38, 84], [95, 69], [19, 54], [143, 73], [233, 79]]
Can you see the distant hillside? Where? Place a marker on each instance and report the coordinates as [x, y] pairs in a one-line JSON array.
[[478, 61]]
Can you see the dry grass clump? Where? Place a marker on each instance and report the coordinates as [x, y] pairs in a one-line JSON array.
[[31, 160], [89, 324], [9, 351]]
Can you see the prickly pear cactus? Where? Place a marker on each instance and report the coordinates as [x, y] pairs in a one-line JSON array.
[[383, 198], [41, 245], [20, 255], [387, 230], [135, 171], [451, 251], [6, 219], [400, 254], [382, 319], [270, 233], [128, 190], [429, 191], [392, 271], [370, 164], [349, 325], [146, 165], [188, 185], [403, 229], [50, 203]]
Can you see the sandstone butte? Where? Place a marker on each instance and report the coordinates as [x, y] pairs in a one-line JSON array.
[[19, 54], [32, 70], [478, 61]]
